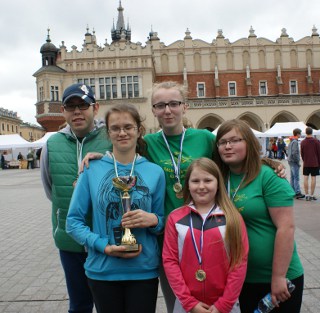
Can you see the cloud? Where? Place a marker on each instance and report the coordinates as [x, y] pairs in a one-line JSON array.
[[68, 20]]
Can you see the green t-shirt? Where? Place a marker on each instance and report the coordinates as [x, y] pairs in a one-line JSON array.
[[266, 191], [197, 143]]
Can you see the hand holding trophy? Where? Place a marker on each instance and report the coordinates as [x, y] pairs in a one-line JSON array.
[[124, 184]]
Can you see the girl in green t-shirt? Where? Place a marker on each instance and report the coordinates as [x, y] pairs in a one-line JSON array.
[[265, 202]]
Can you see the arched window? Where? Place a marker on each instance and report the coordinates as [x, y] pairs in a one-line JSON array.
[[229, 60], [262, 59], [245, 58], [309, 57], [180, 62], [277, 58], [164, 63], [293, 58]]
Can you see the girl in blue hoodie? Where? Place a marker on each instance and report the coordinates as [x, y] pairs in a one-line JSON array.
[[120, 281]]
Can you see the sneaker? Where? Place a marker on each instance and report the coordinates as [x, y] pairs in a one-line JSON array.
[[299, 195], [314, 198], [308, 198]]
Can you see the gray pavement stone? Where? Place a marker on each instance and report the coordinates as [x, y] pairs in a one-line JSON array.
[[31, 277]]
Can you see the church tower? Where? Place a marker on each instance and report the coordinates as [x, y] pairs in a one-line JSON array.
[[120, 32]]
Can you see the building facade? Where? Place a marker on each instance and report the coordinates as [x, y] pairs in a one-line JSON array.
[[31, 132], [254, 79], [9, 122]]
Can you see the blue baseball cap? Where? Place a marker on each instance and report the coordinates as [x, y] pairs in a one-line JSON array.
[[82, 91]]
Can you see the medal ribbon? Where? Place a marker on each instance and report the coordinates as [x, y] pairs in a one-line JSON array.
[[237, 189], [199, 253], [115, 164], [79, 150], [176, 166]]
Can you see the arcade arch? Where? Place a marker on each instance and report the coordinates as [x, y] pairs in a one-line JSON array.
[[210, 122], [314, 120], [253, 120], [283, 117]]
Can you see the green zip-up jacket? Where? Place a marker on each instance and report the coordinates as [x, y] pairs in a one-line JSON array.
[[59, 170]]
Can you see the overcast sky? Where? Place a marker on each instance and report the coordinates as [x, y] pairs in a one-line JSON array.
[[24, 26]]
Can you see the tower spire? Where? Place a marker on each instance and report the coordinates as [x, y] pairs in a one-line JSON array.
[[120, 27], [48, 35]]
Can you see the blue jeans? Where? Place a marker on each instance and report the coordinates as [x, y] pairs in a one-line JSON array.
[[295, 176], [80, 298]]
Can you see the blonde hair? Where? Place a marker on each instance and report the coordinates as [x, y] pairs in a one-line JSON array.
[[233, 238], [170, 85], [252, 162]]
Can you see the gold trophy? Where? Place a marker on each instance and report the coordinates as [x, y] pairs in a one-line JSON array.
[[124, 184]]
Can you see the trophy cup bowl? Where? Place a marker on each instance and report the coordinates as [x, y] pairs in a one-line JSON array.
[[124, 184]]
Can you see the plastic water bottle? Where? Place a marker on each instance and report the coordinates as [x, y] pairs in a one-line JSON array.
[[265, 305]]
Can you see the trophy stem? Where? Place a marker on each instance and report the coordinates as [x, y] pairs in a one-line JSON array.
[[124, 184], [126, 202]]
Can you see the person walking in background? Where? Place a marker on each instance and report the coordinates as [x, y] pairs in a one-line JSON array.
[[294, 162], [30, 160], [60, 161], [38, 153], [274, 148], [3, 161], [265, 202], [281, 145], [310, 154], [20, 157], [206, 246], [120, 281]]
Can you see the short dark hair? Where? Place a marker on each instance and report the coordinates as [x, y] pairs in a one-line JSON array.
[[309, 131], [297, 131]]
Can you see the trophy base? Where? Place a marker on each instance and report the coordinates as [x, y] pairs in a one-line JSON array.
[[130, 248]]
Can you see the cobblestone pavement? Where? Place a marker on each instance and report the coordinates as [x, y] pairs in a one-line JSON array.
[[31, 278]]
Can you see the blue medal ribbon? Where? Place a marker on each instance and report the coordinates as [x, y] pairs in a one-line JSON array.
[[176, 166]]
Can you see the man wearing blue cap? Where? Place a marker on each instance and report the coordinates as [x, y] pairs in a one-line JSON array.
[[60, 161]]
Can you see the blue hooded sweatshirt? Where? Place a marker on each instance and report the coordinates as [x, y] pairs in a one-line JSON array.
[[95, 194]]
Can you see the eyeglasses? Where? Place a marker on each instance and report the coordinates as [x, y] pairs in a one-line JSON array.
[[117, 130], [82, 107], [162, 105], [232, 142]]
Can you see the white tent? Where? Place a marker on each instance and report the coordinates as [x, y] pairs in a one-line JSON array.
[[12, 142], [285, 129], [15, 144]]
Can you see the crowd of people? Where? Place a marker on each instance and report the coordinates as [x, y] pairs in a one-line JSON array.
[[202, 213], [32, 159]]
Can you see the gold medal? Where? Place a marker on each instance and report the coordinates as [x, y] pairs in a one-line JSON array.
[[179, 195], [177, 187], [200, 275]]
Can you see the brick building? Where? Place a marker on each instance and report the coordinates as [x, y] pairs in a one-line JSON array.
[[254, 78]]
